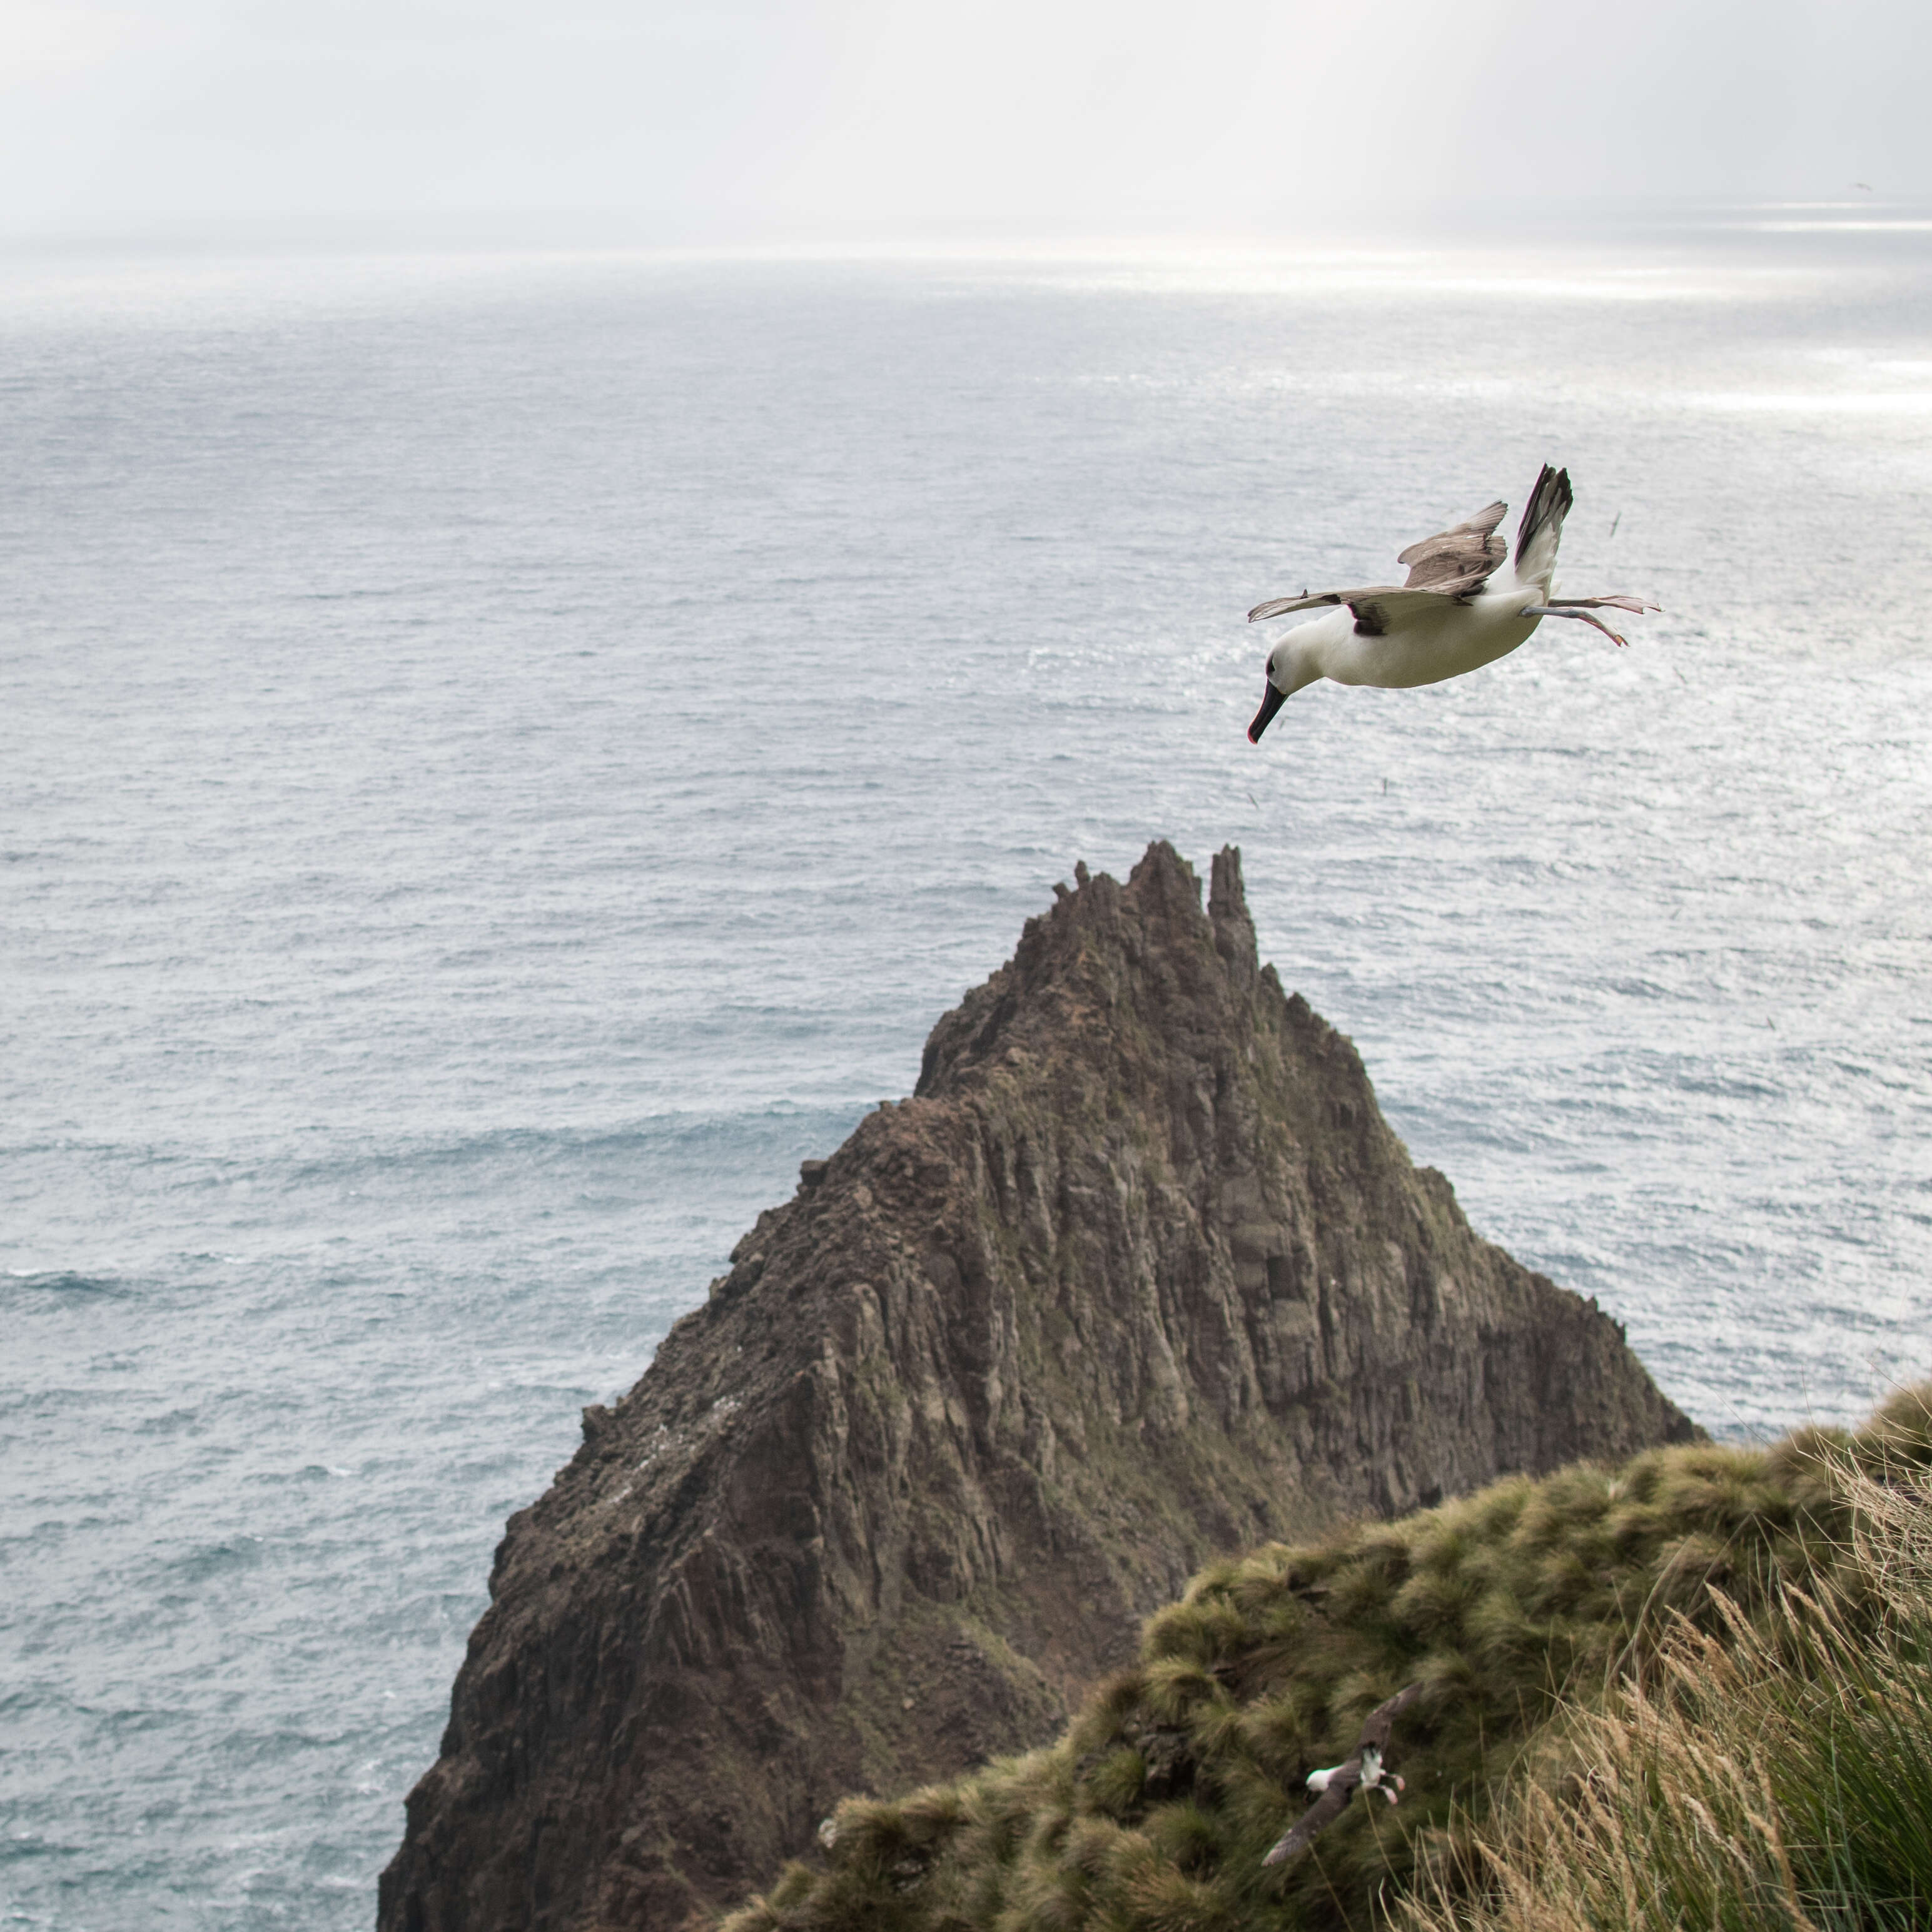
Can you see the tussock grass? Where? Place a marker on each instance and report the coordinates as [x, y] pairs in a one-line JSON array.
[[1776, 1774], [1523, 1609]]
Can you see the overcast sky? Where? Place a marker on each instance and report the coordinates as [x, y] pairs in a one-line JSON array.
[[704, 120]]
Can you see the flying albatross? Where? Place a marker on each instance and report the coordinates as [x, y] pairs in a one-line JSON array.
[[1461, 606], [1362, 1770]]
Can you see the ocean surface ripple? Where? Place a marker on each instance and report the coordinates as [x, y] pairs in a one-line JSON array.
[[504, 756]]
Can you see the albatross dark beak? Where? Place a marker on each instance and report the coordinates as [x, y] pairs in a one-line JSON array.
[[1272, 700]]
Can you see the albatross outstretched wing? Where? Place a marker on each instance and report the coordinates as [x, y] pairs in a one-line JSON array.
[[1375, 1725], [1453, 563], [1541, 529], [1379, 612], [1459, 560], [1381, 608], [1320, 1815], [1279, 606]]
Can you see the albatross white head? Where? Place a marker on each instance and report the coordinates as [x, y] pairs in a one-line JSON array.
[[1290, 664]]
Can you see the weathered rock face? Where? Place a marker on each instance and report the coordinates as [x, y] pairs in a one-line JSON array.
[[1139, 1274]]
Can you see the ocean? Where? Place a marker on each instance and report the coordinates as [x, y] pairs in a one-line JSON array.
[[502, 755]]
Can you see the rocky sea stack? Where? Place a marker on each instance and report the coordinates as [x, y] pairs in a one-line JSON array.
[[1139, 1275]]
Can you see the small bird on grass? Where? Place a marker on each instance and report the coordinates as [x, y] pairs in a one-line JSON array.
[[1466, 604], [1362, 1770]]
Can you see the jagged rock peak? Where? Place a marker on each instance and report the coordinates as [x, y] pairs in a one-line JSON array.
[[1065, 978], [1138, 1275]]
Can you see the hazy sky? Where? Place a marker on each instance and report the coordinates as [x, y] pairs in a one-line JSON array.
[[718, 119]]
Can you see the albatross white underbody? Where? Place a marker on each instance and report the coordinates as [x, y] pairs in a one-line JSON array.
[[1466, 603]]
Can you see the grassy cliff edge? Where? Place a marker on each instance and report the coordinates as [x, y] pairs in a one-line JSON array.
[[1518, 1608]]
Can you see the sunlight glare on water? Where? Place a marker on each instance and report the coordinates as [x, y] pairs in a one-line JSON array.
[[504, 756]]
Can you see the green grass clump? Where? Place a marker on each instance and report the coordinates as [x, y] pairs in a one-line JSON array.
[[1777, 1774], [1594, 1588]]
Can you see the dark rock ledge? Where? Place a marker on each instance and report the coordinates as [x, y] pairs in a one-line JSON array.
[[1138, 1275]]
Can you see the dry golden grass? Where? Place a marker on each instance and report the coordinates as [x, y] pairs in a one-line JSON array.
[[1776, 1774]]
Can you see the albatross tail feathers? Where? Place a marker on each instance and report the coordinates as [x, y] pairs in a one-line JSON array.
[[1541, 528]]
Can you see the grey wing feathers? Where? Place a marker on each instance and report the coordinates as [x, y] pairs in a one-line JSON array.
[[1379, 612], [1319, 1817], [1541, 528], [1279, 606], [1453, 563], [1375, 1725], [1376, 608], [1459, 560]]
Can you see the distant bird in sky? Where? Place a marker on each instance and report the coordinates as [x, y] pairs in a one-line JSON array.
[[1464, 605], [1362, 1770]]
